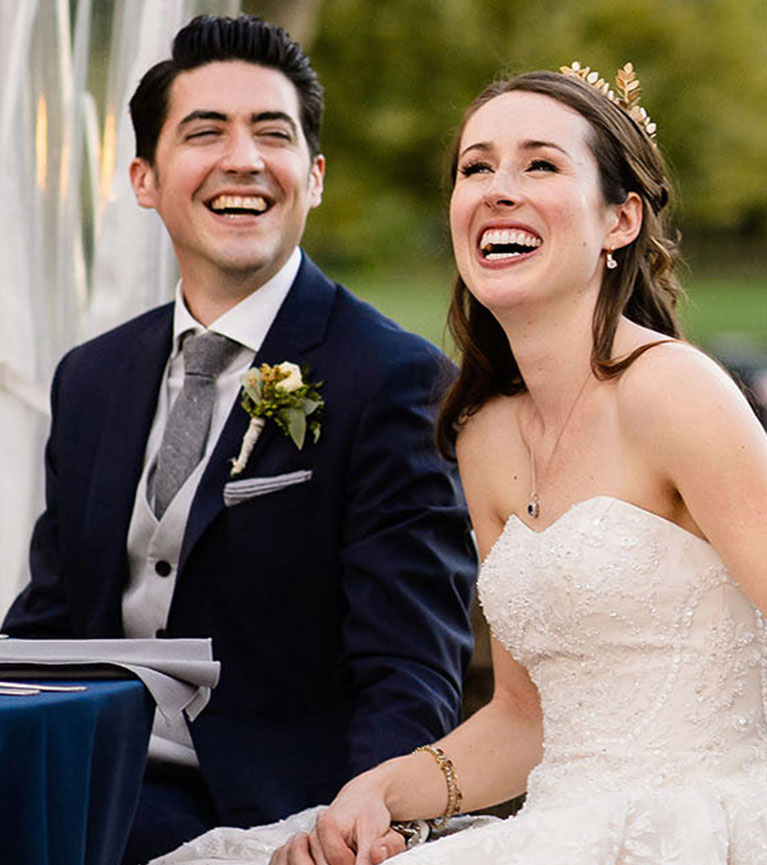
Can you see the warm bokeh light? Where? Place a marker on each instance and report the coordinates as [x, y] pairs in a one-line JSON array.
[[108, 156], [65, 166], [41, 142]]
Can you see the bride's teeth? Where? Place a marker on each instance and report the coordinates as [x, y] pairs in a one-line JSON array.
[[239, 202], [506, 237]]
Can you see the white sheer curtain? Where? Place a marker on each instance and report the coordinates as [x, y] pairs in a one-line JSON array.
[[57, 285]]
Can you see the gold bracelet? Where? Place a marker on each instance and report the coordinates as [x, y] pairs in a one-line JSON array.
[[454, 795]]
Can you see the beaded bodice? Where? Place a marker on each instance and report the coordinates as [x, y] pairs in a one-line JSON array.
[[650, 662]]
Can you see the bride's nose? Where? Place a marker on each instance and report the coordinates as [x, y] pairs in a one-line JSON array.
[[502, 190]]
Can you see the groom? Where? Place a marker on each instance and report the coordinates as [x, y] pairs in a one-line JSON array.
[[334, 579]]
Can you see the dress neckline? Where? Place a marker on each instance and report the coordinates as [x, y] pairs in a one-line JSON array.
[[575, 506]]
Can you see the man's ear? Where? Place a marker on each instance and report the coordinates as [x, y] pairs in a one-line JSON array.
[[316, 178], [626, 223], [143, 179]]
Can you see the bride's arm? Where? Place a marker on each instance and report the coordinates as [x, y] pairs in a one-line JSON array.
[[492, 752]]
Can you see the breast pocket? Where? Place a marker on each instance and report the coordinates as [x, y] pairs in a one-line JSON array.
[[236, 492]]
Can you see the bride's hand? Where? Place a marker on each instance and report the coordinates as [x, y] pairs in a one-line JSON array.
[[354, 830], [306, 849], [373, 842]]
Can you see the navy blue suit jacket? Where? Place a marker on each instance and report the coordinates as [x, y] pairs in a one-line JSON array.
[[338, 607]]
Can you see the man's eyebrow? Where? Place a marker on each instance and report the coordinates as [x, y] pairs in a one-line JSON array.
[[275, 115], [202, 114]]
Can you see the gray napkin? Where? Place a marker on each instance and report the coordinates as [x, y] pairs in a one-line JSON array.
[[179, 673]]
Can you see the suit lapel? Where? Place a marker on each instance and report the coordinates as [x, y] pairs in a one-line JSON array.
[[300, 325], [119, 460]]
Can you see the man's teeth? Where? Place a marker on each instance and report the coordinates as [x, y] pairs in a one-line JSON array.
[[497, 243], [239, 203]]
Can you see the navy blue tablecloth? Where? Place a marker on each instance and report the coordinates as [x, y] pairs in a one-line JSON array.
[[70, 772]]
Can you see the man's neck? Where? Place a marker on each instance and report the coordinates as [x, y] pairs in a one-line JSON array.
[[209, 295], [207, 307]]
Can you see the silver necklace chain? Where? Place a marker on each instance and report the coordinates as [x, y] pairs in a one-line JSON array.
[[533, 505]]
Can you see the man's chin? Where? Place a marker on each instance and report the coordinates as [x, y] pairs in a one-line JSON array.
[[248, 268]]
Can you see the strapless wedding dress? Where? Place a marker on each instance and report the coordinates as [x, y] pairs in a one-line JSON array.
[[652, 670]]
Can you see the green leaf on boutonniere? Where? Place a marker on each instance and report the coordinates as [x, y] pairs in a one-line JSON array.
[[309, 405], [295, 420], [251, 385]]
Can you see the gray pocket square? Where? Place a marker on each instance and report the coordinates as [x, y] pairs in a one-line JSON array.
[[236, 492]]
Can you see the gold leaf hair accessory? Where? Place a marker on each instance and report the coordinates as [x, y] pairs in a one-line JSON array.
[[626, 94]]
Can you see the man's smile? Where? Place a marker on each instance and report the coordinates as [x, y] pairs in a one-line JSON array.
[[238, 205]]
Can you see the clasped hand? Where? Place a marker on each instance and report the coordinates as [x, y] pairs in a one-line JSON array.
[[354, 830]]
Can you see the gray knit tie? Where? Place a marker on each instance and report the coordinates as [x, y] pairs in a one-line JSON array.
[[188, 424]]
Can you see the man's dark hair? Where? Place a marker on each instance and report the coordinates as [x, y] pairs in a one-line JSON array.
[[213, 39]]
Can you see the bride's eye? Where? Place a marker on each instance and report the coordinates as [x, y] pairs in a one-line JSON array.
[[474, 168], [542, 165]]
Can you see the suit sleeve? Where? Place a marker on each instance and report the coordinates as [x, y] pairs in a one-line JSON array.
[[40, 611], [409, 571]]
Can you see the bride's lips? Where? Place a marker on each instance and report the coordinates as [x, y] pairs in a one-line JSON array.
[[500, 244]]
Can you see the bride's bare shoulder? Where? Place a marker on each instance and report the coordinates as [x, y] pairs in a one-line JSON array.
[[492, 426], [667, 365], [674, 382]]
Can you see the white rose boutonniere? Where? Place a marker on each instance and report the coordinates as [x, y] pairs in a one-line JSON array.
[[293, 378], [282, 394]]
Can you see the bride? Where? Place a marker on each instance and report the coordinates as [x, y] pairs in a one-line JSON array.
[[617, 483]]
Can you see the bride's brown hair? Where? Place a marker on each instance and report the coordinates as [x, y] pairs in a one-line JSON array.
[[643, 287]]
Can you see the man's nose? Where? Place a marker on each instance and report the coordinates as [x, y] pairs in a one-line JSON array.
[[242, 154]]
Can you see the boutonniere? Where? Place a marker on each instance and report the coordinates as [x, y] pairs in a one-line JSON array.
[[279, 393]]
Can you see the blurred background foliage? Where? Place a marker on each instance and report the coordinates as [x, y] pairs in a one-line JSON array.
[[398, 75]]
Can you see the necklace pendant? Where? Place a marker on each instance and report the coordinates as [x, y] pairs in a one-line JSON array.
[[533, 509]]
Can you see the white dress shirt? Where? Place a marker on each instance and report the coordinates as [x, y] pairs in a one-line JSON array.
[[154, 546]]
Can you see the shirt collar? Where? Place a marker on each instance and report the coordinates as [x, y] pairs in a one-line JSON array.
[[248, 321]]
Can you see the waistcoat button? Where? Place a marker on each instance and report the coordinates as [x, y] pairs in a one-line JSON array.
[[162, 568]]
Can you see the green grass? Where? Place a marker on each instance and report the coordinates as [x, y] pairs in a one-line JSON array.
[[720, 305], [714, 305]]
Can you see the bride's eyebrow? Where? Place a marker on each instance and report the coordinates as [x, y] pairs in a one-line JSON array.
[[482, 146], [528, 144], [532, 144]]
